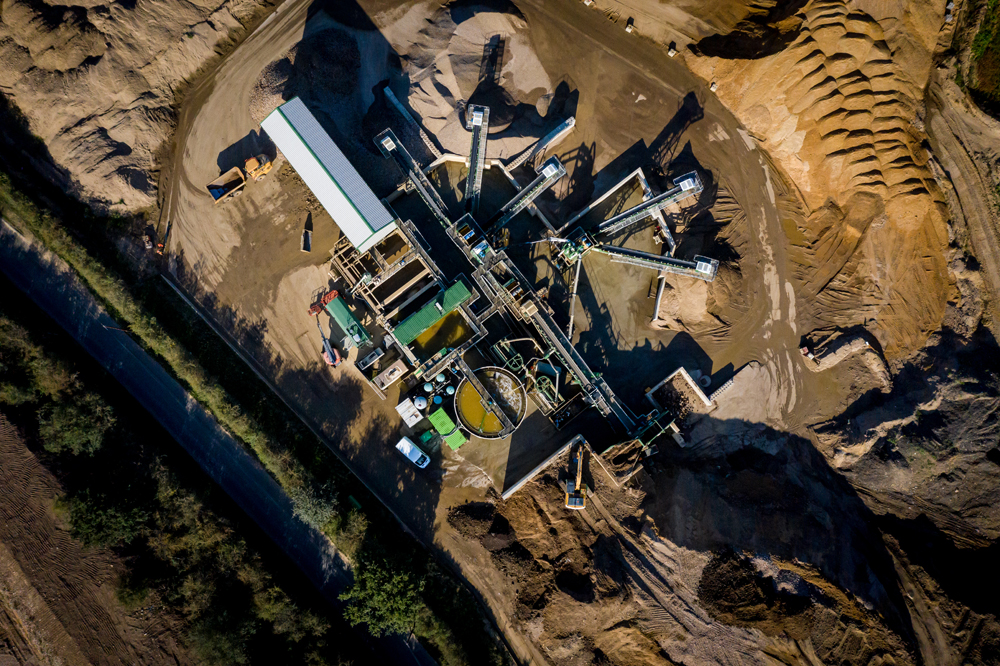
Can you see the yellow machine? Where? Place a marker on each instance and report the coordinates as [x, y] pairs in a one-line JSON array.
[[576, 490], [257, 167]]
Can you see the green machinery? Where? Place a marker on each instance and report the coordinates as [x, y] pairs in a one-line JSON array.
[[545, 385]]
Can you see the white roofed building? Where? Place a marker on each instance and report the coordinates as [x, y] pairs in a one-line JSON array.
[[336, 184]]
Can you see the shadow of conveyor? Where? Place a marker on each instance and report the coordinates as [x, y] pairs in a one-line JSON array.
[[761, 491]]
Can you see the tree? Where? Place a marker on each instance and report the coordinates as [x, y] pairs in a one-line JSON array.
[[274, 606], [76, 425], [96, 521], [315, 504], [385, 597]]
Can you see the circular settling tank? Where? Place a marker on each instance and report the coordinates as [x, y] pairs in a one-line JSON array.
[[503, 388]]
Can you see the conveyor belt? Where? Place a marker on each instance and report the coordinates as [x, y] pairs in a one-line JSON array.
[[477, 120], [551, 171], [684, 188], [391, 147]]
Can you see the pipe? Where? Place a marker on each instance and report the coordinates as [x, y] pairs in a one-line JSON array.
[[659, 296], [510, 342], [572, 300]]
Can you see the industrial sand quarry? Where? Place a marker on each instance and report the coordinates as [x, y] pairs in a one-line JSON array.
[[794, 528], [553, 595]]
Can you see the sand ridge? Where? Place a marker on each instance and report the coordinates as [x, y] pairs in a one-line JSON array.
[[839, 110]]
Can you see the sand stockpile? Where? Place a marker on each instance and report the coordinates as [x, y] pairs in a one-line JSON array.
[[708, 310], [97, 83], [839, 111], [443, 55]]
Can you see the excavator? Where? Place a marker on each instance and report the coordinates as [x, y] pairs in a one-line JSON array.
[[576, 490]]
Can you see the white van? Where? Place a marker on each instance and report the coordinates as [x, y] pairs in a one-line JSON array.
[[411, 451]]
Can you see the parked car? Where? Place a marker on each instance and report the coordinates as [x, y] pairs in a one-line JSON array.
[[413, 452]]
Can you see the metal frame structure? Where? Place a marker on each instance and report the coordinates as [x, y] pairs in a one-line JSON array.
[[548, 173], [477, 120]]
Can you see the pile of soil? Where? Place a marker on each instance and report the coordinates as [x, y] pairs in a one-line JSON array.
[[639, 576], [838, 110], [737, 593], [97, 84]]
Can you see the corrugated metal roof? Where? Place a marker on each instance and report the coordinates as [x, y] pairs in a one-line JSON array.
[[336, 183], [445, 427], [418, 322]]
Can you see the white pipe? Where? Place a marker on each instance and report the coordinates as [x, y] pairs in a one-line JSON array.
[[572, 300], [659, 296]]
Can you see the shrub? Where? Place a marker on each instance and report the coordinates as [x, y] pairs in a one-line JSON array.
[[384, 596], [274, 606], [14, 395], [315, 504], [349, 533], [76, 425], [220, 639], [96, 522]]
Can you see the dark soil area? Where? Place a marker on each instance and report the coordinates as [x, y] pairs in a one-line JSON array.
[[764, 32], [735, 592]]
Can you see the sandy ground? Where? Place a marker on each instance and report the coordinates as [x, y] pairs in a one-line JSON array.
[[57, 597], [965, 141], [245, 255], [97, 82], [839, 111]]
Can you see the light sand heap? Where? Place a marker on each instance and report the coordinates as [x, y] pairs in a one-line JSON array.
[[839, 111]]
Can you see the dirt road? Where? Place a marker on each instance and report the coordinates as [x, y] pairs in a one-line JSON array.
[[55, 288]]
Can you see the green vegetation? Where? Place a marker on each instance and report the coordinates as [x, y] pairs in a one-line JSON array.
[[984, 38], [161, 514], [984, 69], [449, 621], [112, 291], [99, 520], [384, 597], [68, 417], [77, 426]]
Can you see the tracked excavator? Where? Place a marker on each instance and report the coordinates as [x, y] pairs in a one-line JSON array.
[[576, 490]]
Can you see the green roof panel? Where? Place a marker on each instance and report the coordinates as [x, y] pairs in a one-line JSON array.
[[418, 322], [445, 427], [455, 440]]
